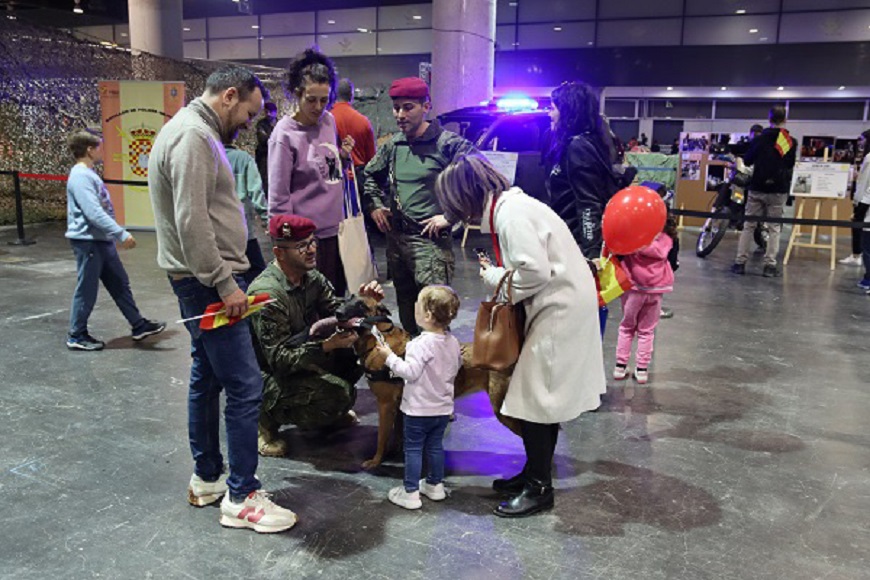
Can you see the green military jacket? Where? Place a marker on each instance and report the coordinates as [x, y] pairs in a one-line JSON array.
[[281, 328], [409, 170]]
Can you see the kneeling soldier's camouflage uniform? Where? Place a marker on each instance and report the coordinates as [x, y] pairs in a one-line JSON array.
[[303, 385]]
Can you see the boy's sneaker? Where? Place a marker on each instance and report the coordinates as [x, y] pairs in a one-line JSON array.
[[147, 328], [86, 342], [770, 272], [257, 512], [739, 269], [851, 260], [408, 500], [666, 313], [202, 493], [641, 376], [620, 372], [864, 284], [434, 492]]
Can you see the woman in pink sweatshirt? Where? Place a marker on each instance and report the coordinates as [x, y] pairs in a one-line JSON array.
[[652, 276], [305, 166]]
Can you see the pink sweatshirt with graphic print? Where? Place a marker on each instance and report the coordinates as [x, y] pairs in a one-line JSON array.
[[305, 173]]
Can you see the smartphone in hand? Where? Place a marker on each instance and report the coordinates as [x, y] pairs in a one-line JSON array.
[[483, 257]]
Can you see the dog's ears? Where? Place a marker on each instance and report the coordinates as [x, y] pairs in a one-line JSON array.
[[383, 310]]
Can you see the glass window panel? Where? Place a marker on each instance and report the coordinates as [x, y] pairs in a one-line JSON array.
[[347, 43], [505, 37], [406, 16], [755, 110], [329, 21], [232, 27], [724, 7], [197, 29], [506, 11], [790, 5], [826, 111], [96, 33], [233, 49], [620, 108], [640, 8], [658, 32], [731, 30], [287, 24], [285, 46], [196, 49], [405, 42], [555, 10], [848, 26], [680, 108], [572, 35]]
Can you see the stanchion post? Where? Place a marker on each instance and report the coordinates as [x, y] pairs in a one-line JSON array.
[[19, 213]]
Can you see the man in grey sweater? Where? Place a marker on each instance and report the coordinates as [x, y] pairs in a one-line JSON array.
[[201, 242]]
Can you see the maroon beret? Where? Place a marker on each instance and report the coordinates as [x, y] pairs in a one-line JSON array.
[[290, 227], [409, 88]]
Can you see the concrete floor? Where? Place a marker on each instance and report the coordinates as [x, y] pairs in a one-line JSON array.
[[746, 457]]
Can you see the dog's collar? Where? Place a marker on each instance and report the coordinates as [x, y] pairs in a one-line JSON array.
[[385, 374]]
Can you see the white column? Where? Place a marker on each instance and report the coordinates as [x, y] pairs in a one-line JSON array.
[[463, 53], [155, 27]]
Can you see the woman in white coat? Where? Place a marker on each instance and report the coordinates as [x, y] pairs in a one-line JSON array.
[[560, 372]]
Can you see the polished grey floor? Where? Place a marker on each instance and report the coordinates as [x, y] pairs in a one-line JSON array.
[[747, 456]]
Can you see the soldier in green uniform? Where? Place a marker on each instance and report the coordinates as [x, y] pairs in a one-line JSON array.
[[419, 243], [308, 382]]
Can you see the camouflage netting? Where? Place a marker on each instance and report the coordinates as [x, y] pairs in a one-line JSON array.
[[48, 88]]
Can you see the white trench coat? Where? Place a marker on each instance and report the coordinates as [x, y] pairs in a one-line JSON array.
[[560, 372]]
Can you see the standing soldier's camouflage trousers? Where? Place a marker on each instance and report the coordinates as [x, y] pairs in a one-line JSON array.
[[413, 262]]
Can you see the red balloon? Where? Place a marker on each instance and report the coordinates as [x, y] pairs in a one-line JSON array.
[[632, 219]]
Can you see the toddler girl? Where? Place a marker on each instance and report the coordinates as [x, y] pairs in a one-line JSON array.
[[652, 276], [432, 361]]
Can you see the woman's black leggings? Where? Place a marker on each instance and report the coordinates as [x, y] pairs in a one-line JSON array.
[[539, 439], [858, 216]]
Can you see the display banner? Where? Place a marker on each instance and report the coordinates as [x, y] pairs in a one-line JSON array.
[[828, 180], [132, 113]]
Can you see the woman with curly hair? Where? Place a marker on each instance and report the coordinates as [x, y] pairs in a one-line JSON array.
[[582, 179], [305, 160]]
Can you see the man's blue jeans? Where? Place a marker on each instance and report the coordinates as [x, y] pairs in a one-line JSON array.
[[98, 261], [223, 358], [424, 435]]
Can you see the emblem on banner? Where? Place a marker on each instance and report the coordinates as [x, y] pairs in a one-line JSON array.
[[139, 143]]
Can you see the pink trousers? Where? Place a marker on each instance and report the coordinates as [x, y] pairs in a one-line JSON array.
[[640, 314]]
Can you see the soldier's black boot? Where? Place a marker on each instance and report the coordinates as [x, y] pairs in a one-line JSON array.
[[535, 497]]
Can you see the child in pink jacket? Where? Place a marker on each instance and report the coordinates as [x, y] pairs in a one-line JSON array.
[[652, 276]]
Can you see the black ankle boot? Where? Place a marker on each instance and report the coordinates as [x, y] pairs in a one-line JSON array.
[[511, 486], [534, 498]]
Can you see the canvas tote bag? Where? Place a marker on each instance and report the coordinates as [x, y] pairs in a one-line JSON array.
[[353, 242]]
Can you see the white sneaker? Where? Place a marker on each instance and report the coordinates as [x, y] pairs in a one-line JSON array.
[[409, 501], [434, 492], [641, 376], [851, 260], [202, 493], [620, 372], [257, 512]]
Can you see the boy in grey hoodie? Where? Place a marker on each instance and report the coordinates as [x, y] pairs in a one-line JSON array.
[[92, 231]]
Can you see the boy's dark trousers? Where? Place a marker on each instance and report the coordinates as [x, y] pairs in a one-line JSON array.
[[98, 261]]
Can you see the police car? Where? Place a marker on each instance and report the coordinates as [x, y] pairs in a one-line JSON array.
[[512, 124]]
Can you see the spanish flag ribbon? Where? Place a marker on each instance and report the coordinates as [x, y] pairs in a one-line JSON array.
[[215, 314], [783, 142]]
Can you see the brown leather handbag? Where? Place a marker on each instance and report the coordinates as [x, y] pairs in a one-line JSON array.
[[499, 330]]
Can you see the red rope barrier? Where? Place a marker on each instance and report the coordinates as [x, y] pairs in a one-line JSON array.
[[43, 176]]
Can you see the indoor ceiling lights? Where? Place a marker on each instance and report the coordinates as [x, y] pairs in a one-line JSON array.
[[780, 88], [557, 28], [753, 30], [740, 11], [723, 88], [841, 88], [77, 8]]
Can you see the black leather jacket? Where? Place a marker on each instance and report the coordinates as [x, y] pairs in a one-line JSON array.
[[580, 185]]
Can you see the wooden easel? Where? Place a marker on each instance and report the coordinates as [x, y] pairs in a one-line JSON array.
[[796, 231]]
